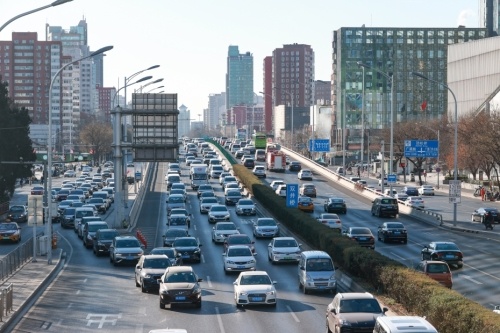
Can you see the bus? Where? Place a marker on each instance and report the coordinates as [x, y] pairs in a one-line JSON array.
[[259, 140]]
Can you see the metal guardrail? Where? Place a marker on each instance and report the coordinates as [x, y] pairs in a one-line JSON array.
[[15, 259], [6, 295]]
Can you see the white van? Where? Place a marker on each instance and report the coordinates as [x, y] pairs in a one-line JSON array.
[[316, 272], [398, 324]]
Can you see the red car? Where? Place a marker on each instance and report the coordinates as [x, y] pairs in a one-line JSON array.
[[37, 190]]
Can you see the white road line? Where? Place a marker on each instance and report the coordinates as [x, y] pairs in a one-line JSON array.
[[394, 254], [293, 314], [70, 305], [209, 282], [470, 279], [194, 226], [78, 292], [84, 280], [59, 322], [202, 258], [219, 319]]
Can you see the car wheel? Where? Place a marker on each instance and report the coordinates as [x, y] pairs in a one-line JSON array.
[[460, 265], [328, 330], [137, 284], [213, 240], [405, 241], [304, 289], [162, 306], [198, 305], [143, 288], [378, 237], [473, 219]]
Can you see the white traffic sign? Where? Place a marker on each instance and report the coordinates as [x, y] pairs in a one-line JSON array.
[[455, 200], [455, 191]]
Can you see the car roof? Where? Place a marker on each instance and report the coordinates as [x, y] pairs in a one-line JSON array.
[[154, 256], [254, 273], [355, 295], [175, 269]]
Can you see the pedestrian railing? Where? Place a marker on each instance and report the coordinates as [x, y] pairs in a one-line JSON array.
[[6, 294], [15, 259]]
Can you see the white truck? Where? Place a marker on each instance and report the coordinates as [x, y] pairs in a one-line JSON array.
[[198, 173]]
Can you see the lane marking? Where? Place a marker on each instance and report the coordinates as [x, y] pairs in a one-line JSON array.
[[202, 258], [70, 305], [78, 292], [401, 258], [219, 320], [470, 279], [294, 316], [84, 280], [209, 282]]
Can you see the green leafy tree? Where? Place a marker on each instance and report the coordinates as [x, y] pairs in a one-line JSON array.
[[16, 150]]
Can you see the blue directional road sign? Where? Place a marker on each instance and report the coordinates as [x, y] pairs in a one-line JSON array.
[[319, 145], [421, 148], [391, 178], [292, 195]]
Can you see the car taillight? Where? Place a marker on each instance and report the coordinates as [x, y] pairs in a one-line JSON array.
[[440, 254], [338, 221], [460, 255], [324, 221]]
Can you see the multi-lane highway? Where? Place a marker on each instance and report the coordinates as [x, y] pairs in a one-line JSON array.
[[91, 294]]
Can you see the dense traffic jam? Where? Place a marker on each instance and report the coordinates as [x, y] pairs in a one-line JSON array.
[[170, 271]]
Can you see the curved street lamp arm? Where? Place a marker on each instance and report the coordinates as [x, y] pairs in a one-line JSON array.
[[128, 79]]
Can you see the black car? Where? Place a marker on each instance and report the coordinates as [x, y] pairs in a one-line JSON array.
[[17, 213], [335, 205], [179, 285], [411, 191], [443, 251], [103, 239], [383, 206], [188, 247], [249, 163], [389, 231], [363, 236], [480, 213], [294, 166]]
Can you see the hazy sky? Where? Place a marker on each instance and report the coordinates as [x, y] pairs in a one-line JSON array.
[[189, 39]]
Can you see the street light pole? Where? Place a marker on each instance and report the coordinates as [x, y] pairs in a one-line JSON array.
[[391, 143], [455, 146], [50, 147], [53, 4], [147, 92]]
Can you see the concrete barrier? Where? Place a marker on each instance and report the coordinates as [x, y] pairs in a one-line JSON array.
[[136, 206], [420, 214]]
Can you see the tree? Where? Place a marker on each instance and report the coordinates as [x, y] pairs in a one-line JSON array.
[[16, 150], [98, 137]]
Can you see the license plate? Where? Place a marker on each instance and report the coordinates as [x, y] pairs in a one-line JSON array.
[[450, 256], [185, 256], [257, 299], [362, 238], [397, 233], [288, 258], [321, 287], [180, 298], [240, 267]]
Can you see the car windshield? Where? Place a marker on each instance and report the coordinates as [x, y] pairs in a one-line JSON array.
[[330, 216], [178, 211], [266, 223], [179, 277], [96, 200], [178, 221], [438, 268], [238, 240], [394, 226], [83, 213], [209, 200], [204, 188], [156, 263], [166, 251], [127, 243], [319, 264], [285, 243], [175, 233], [17, 209], [233, 194], [360, 305], [207, 194], [69, 211], [360, 231], [218, 209], [239, 252], [175, 199], [229, 179], [94, 228], [245, 202], [107, 235], [185, 242], [8, 226], [226, 226], [448, 246], [177, 191], [387, 201], [255, 279]]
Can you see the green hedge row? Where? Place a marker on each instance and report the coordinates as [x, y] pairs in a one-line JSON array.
[[447, 310]]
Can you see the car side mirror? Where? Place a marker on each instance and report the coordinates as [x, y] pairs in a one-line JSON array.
[[301, 267], [235, 283], [159, 281], [333, 311], [138, 267], [384, 310]]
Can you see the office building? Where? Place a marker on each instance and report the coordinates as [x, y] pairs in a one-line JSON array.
[[489, 16], [395, 53], [289, 79], [239, 78], [216, 108], [27, 65], [184, 119]]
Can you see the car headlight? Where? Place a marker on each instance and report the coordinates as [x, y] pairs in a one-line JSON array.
[[243, 293], [332, 277], [197, 251], [344, 322], [253, 261], [230, 262], [217, 234], [118, 255], [272, 292], [146, 276], [89, 237], [196, 290], [308, 278]]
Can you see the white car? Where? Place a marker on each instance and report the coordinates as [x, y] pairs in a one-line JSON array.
[[218, 213], [283, 249], [254, 288], [207, 203], [281, 190], [223, 229], [388, 192], [415, 202], [70, 173], [401, 196], [305, 174], [259, 171], [246, 207], [426, 190], [276, 183], [330, 220], [238, 258], [380, 182]]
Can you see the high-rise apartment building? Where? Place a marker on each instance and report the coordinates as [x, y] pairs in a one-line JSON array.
[[184, 119], [216, 108], [289, 81], [27, 65], [239, 78], [105, 99], [389, 53], [489, 16]]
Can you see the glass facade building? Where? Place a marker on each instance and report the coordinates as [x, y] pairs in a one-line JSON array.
[[389, 53], [239, 78]]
